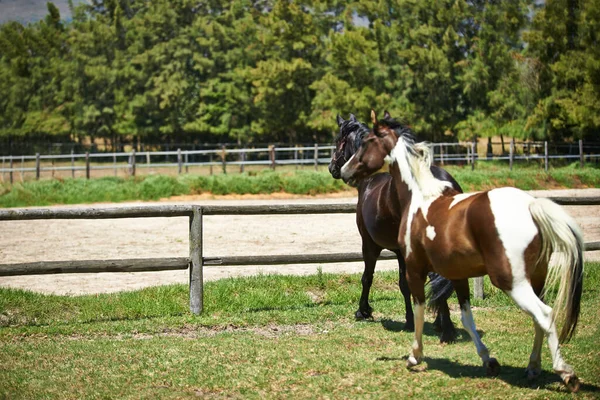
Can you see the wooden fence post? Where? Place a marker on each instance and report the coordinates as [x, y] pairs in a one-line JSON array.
[[10, 172], [242, 160], [224, 159], [21, 172], [473, 152], [272, 157], [196, 273], [37, 166], [179, 162], [187, 160], [546, 156], [296, 156], [133, 162], [87, 165], [441, 154], [210, 161], [316, 156], [72, 163], [581, 156], [478, 288], [512, 153]]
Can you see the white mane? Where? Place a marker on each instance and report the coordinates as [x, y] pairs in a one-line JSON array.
[[414, 160]]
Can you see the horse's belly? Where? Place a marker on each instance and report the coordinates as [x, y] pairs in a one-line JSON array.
[[458, 264], [384, 232]]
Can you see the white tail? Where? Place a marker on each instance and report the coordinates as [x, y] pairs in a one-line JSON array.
[[562, 237]]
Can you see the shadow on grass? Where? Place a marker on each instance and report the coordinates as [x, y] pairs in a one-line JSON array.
[[514, 376], [428, 330]]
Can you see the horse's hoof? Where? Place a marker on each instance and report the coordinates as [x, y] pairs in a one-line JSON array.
[[533, 373], [411, 362], [363, 315], [448, 336], [409, 326], [492, 367], [572, 383]]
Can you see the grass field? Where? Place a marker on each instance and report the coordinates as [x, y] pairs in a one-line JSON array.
[[272, 337], [304, 182]]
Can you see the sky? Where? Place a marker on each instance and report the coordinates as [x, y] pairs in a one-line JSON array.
[[26, 11]]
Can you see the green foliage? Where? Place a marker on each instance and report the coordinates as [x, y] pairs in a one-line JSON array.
[[280, 71]]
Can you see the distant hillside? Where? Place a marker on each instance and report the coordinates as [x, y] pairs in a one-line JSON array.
[[26, 11]]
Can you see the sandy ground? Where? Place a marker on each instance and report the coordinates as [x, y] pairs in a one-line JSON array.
[[54, 240]]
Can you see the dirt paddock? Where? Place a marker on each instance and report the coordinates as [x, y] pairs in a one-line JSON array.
[[54, 240]]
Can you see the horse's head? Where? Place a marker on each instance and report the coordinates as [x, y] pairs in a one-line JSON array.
[[371, 155], [351, 133]]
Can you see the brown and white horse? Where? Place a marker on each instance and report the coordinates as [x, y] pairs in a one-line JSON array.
[[504, 233]]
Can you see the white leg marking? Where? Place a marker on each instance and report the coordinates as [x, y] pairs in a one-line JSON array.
[[469, 324], [417, 347], [526, 299]]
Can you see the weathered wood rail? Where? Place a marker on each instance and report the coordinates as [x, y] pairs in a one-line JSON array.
[[195, 260]]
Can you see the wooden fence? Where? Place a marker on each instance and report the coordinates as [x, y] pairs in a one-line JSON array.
[[272, 156], [195, 260]]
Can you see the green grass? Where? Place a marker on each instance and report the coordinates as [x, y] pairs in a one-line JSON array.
[[111, 189], [272, 337], [488, 175]]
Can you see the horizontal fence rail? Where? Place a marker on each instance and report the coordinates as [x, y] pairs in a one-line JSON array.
[[130, 162], [195, 261], [274, 156]]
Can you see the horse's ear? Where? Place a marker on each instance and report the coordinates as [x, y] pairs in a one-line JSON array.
[[339, 120], [386, 115], [352, 117], [373, 117]]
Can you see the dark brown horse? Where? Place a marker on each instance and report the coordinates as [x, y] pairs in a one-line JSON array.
[[504, 233], [378, 215]]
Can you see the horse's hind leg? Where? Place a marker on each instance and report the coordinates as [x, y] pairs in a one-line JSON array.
[[370, 252], [404, 289], [462, 292], [534, 368], [441, 290], [527, 300]]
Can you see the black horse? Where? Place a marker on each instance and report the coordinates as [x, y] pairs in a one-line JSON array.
[[378, 219]]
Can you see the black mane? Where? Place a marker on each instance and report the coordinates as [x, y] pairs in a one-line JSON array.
[[400, 128], [355, 127]]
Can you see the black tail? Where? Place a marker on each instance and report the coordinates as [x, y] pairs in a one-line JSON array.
[[439, 289]]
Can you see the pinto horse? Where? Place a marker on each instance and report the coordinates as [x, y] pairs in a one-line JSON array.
[[504, 233], [378, 215]]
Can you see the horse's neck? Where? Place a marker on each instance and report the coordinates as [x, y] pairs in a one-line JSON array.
[[401, 190]]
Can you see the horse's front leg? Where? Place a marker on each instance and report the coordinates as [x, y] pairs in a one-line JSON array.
[[370, 252], [405, 290], [462, 292], [416, 283]]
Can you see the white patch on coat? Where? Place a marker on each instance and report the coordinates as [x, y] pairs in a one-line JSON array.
[[514, 225], [460, 197], [430, 231]]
